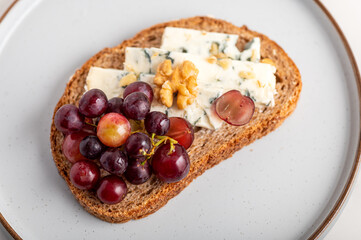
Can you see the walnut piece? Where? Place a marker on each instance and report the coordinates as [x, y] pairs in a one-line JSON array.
[[214, 51], [224, 63], [128, 79], [247, 75], [218, 57], [182, 80]]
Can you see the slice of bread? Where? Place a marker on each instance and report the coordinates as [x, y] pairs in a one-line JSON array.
[[209, 148]]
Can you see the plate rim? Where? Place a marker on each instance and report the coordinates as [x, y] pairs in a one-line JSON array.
[[337, 207]]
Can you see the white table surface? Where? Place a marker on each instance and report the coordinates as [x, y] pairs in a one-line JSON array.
[[347, 14]]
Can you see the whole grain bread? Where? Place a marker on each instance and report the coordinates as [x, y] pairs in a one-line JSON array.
[[209, 148]]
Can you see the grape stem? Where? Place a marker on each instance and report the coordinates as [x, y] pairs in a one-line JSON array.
[[164, 139], [91, 124], [160, 140], [136, 131]]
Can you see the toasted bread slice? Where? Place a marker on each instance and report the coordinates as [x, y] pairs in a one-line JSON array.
[[210, 146]]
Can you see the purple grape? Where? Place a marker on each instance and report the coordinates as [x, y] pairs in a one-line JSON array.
[[68, 119], [138, 173], [93, 103], [136, 106], [170, 166], [71, 144], [114, 161], [136, 159], [139, 87], [181, 131], [137, 145], [111, 189], [91, 147], [84, 175], [156, 122], [115, 105]]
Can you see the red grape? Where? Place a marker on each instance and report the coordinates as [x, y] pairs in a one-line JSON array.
[[113, 129], [234, 108], [136, 106], [93, 103], [138, 144], [84, 175], [91, 148], [181, 130], [138, 173], [137, 159], [142, 87], [170, 166], [115, 105], [68, 119], [112, 189], [71, 146], [114, 161], [156, 122]]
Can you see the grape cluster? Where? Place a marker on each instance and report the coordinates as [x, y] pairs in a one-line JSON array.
[[101, 129]]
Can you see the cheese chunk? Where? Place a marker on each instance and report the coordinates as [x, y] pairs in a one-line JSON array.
[[200, 43], [259, 84], [105, 79]]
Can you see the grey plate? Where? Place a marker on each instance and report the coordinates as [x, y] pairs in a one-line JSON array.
[[281, 187]]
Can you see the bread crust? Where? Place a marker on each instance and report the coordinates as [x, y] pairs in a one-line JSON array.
[[210, 146]]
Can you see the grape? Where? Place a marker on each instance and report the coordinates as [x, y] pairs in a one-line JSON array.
[[113, 129], [156, 122], [138, 144], [136, 159], [84, 175], [234, 108], [170, 166], [91, 148], [112, 189], [71, 146], [114, 161], [138, 173], [139, 87], [115, 105], [93, 103], [181, 130], [136, 106], [68, 119]]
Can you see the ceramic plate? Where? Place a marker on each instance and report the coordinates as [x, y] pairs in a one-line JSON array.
[[288, 185]]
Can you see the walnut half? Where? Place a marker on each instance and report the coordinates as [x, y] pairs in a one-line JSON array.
[[182, 80]]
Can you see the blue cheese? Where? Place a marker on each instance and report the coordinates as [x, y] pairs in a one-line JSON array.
[[105, 79], [215, 78], [252, 51], [260, 86], [108, 80], [200, 43]]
